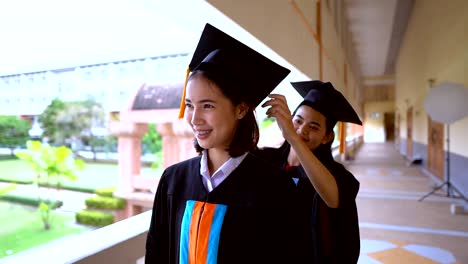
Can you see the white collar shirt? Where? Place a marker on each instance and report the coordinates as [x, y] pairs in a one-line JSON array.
[[212, 181]]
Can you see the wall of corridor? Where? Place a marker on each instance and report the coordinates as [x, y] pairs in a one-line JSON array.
[[434, 47]]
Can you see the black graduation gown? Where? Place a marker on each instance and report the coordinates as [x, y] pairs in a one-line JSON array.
[[250, 215], [335, 231]]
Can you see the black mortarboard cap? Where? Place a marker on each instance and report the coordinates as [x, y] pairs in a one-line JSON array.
[[254, 74], [324, 98]]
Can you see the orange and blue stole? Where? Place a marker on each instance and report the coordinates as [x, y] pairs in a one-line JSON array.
[[200, 232]]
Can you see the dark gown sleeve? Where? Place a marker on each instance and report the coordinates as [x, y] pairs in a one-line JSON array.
[[348, 186], [157, 242], [338, 228]]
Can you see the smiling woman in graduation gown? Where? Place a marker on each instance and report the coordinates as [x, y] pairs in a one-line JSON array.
[[247, 217]]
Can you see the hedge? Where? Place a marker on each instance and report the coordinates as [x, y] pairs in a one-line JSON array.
[[106, 192], [17, 181], [70, 188], [94, 218], [42, 184], [34, 201], [102, 202]]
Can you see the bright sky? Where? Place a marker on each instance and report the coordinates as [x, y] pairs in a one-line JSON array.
[[54, 34], [51, 34]]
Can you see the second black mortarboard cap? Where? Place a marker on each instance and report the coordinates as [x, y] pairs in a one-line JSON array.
[[252, 73], [324, 98]]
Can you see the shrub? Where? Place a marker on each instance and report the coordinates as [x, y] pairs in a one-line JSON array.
[[101, 202], [66, 187], [106, 192], [94, 218], [34, 201], [19, 181]]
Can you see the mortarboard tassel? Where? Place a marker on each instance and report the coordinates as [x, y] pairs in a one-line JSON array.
[[182, 100]]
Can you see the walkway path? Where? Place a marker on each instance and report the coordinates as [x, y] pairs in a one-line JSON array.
[[397, 228]]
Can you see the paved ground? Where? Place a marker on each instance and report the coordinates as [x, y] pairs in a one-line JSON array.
[[395, 226]]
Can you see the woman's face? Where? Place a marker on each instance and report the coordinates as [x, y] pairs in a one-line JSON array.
[[211, 115], [311, 127]]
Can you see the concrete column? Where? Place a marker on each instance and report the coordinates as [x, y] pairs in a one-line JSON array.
[[177, 145], [129, 137], [177, 141]]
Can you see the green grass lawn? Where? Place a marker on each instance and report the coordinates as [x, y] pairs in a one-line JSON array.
[[22, 228], [95, 175], [16, 170]]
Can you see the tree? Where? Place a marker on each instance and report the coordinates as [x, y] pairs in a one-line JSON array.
[[72, 123], [48, 119], [65, 123], [152, 141], [13, 132], [95, 130], [51, 164]]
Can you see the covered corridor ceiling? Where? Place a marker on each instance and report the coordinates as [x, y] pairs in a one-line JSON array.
[[377, 28]]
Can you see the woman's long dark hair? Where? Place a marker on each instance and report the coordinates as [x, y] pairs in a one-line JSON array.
[[247, 133]]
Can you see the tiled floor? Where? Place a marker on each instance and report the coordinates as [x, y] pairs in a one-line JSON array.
[[395, 226]]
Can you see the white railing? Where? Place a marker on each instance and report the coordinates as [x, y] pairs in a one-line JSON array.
[[120, 243]]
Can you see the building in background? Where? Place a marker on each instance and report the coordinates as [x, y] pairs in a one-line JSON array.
[[111, 84]]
